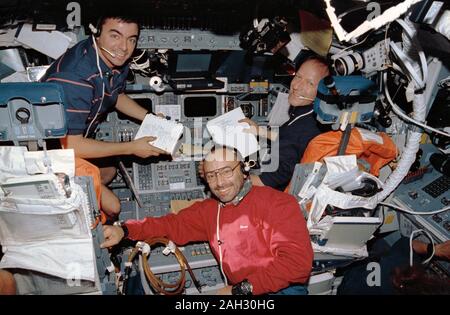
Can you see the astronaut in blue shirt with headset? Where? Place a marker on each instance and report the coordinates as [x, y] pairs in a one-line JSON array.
[[93, 75]]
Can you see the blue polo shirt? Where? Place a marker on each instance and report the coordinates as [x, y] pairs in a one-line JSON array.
[[77, 72], [293, 139]]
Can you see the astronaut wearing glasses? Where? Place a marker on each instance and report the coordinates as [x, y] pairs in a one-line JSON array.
[[257, 234]]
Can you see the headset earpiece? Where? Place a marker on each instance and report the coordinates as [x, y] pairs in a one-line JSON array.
[[96, 30], [245, 167], [93, 29]]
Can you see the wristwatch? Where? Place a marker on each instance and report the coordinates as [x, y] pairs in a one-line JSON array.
[[242, 288], [123, 226]]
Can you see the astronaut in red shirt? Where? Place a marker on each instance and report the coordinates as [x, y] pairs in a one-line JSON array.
[[257, 234]]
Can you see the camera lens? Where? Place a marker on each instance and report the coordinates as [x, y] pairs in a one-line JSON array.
[[340, 67], [346, 65]]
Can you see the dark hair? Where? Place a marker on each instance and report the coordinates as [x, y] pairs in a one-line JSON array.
[[116, 15], [415, 280]]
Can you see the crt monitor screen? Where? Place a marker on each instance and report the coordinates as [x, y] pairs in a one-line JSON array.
[[204, 106], [144, 102], [439, 115]]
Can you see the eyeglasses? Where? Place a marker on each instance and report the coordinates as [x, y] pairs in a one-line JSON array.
[[224, 172]]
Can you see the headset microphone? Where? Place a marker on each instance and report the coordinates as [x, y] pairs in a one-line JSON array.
[[305, 98], [112, 54], [331, 85], [96, 32]]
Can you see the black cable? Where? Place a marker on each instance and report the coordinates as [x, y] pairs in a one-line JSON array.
[[344, 140]]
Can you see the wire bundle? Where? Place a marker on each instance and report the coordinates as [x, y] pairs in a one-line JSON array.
[[157, 284]]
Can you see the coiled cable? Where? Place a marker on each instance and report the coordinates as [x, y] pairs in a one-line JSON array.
[[157, 284]]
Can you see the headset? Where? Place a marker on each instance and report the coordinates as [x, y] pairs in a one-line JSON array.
[[245, 169], [96, 32], [246, 166]]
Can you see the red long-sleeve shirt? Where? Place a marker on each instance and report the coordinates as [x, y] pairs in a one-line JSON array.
[[264, 237]]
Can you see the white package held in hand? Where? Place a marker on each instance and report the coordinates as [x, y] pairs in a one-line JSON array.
[[226, 130], [166, 132]]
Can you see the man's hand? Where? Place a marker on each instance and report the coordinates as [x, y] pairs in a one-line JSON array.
[[143, 149], [113, 235], [7, 283], [254, 128], [224, 291], [259, 131]]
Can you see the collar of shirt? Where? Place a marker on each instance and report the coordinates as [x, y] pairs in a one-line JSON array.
[[242, 193], [295, 111]]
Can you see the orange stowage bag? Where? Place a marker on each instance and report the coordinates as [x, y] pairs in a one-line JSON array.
[[375, 148], [85, 168]]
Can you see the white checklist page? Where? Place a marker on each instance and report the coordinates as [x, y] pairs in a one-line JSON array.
[[166, 132]]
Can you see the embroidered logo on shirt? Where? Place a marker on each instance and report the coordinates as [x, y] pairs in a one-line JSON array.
[[243, 227]]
